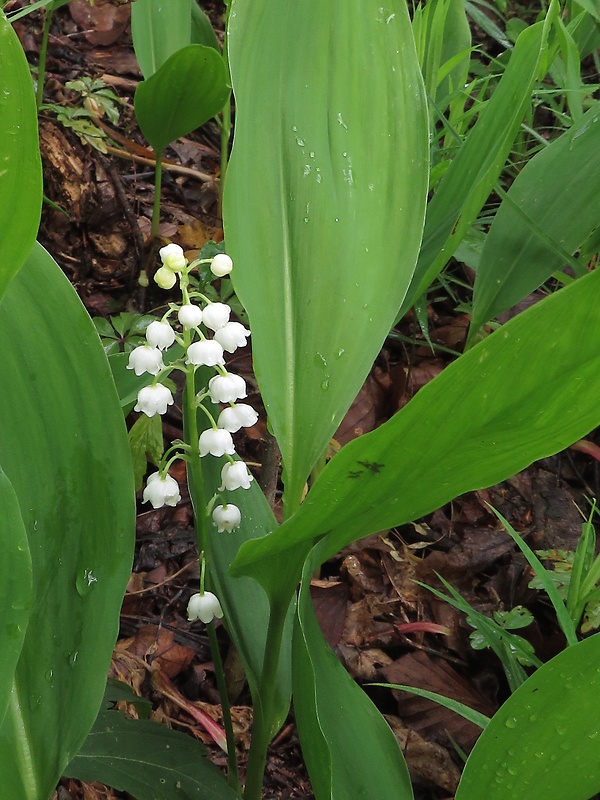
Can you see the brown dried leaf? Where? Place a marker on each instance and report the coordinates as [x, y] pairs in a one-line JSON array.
[[103, 22]]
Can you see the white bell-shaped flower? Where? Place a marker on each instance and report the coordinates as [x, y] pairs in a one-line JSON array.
[[146, 359], [235, 417], [161, 491], [217, 442], [216, 315], [231, 336], [204, 606], [160, 334], [227, 518], [221, 265], [226, 388], [190, 315], [235, 476], [207, 353], [165, 278], [153, 400], [172, 257]]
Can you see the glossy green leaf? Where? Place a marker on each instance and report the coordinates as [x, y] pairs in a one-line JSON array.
[[349, 749], [148, 761], [324, 202], [67, 457], [542, 744], [15, 580], [20, 165], [550, 209], [473, 172], [202, 30], [158, 30], [526, 392], [187, 90]]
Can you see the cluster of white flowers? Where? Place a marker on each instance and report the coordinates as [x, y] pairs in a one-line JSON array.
[[225, 387]]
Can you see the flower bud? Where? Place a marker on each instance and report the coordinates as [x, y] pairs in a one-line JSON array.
[[153, 400], [231, 336], [227, 518], [160, 334], [221, 265], [145, 359], [235, 476], [190, 316], [165, 278], [207, 353], [216, 315], [217, 442], [226, 388], [205, 607], [161, 491], [235, 417], [172, 257]]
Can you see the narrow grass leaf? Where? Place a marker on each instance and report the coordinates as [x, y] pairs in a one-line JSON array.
[[542, 744], [351, 756], [526, 392], [324, 202], [66, 454], [20, 164], [476, 717]]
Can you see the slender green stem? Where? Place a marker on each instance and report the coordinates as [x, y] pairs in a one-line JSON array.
[[157, 185], [232, 777], [196, 489], [262, 727], [39, 95]]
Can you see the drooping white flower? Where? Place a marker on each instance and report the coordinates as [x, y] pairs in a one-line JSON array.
[[206, 353], [146, 359], [221, 265], [161, 491], [165, 278], [226, 388], [190, 315], [204, 607], [235, 417], [216, 441], [172, 257], [235, 476], [216, 315], [227, 518], [160, 334], [231, 336], [153, 400]]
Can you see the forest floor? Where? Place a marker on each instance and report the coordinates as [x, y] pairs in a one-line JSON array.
[[374, 615]]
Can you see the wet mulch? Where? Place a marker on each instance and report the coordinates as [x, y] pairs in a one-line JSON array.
[[374, 615]]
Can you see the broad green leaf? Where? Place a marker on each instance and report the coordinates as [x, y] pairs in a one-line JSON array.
[[15, 579], [542, 744], [349, 749], [187, 90], [467, 183], [65, 452], [526, 392], [550, 209], [324, 202], [159, 29], [202, 30], [20, 165], [147, 444], [148, 761]]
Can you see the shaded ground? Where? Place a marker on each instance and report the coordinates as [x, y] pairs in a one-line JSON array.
[[373, 613]]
